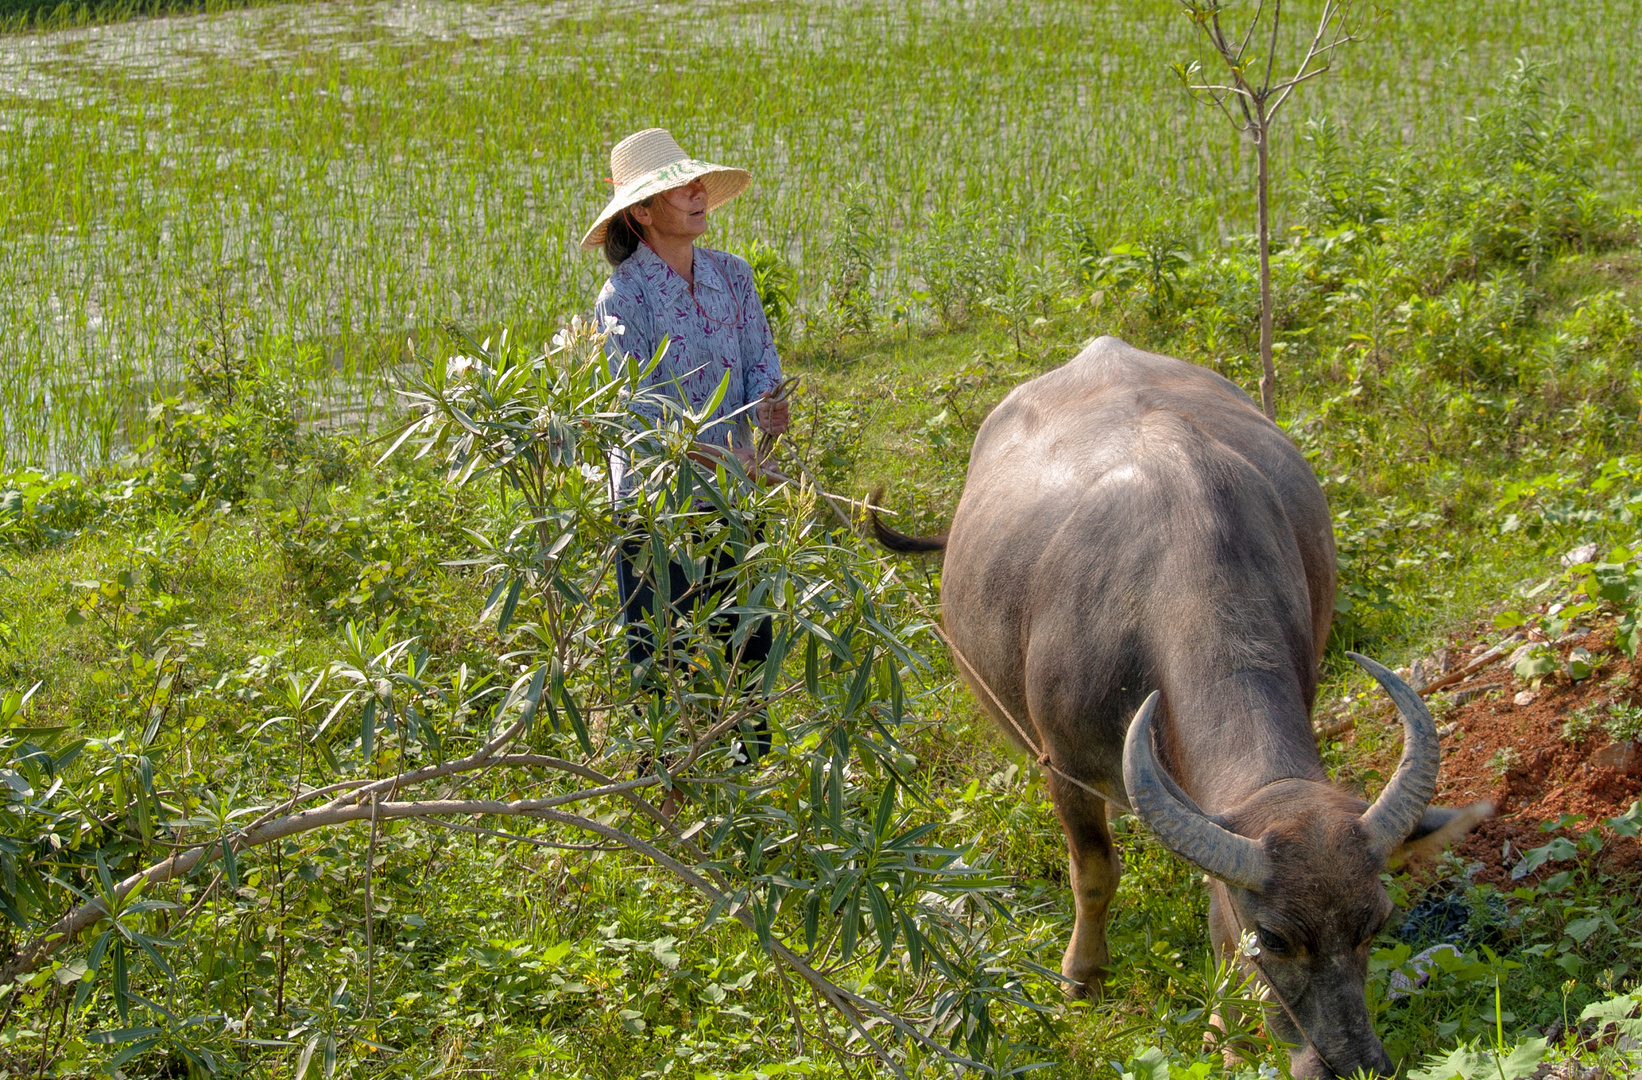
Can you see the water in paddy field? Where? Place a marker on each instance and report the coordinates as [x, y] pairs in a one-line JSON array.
[[341, 177]]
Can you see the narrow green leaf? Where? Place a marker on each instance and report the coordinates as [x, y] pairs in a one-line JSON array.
[[496, 591], [149, 809], [533, 697], [147, 945], [132, 1051], [773, 662], [120, 1035], [883, 921], [852, 927], [122, 986], [895, 696], [812, 919], [886, 811], [858, 685], [367, 728], [574, 715], [812, 667], [718, 396], [506, 615], [94, 958], [306, 1059], [105, 878], [915, 943]]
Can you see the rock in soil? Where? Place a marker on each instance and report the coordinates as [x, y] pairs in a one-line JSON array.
[[1620, 756], [1581, 554]]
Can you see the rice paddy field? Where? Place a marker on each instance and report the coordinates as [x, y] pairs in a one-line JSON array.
[[326, 183]]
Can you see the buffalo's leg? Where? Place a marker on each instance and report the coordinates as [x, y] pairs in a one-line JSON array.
[[1095, 870]]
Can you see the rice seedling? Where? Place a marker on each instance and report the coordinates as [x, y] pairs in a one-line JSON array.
[[347, 177]]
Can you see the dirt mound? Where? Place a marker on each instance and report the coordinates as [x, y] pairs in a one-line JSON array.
[[1537, 752]]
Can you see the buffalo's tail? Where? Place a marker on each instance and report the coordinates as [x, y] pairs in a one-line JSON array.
[[898, 541]]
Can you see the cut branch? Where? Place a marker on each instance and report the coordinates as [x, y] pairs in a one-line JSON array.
[[850, 1006]]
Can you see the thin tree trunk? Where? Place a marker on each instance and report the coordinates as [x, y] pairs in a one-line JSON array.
[[370, 916], [1268, 370]]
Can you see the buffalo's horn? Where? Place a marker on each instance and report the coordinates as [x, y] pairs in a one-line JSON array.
[[1399, 807], [1185, 830]]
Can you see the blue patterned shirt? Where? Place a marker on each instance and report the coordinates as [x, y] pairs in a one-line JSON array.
[[721, 328]]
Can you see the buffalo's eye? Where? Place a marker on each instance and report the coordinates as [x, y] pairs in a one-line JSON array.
[[1271, 942]]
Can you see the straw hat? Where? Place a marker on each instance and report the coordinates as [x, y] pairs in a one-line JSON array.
[[650, 162]]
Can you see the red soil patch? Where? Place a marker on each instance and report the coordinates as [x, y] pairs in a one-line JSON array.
[[1518, 757]]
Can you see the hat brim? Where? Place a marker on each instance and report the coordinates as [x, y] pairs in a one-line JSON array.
[[722, 182]]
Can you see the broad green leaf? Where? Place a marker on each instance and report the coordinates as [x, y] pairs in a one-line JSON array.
[[1618, 1010], [1523, 1060], [1629, 823]]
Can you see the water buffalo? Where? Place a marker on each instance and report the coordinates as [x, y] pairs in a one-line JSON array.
[[1136, 540]]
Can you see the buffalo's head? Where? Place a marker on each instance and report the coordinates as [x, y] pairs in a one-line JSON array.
[[1295, 875]]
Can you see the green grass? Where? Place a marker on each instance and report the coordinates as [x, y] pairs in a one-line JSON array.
[[333, 180], [49, 15], [524, 961]]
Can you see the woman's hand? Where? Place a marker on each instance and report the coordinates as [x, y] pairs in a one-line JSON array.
[[712, 455], [773, 414], [756, 468]]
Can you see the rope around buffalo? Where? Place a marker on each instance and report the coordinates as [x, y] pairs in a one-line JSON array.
[[1041, 756]]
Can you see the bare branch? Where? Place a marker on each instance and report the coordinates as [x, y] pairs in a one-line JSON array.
[[1271, 52], [361, 788], [1217, 38], [1288, 88], [1218, 88], [850, 1005], [534, 841], [59, 933], [1254, 24]]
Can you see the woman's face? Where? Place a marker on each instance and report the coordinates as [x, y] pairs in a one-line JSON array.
[[676, 214]]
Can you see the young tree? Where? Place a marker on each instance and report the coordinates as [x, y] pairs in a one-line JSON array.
[[1258, 97]]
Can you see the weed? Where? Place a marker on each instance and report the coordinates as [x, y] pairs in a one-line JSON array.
[[1623, 722], [1580, 722], [1503, 761], [776, 284], [854, 255]]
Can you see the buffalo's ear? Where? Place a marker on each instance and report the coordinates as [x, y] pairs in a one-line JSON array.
[[1439, 827]]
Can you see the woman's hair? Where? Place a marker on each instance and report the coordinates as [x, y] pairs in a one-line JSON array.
[[621, 236]]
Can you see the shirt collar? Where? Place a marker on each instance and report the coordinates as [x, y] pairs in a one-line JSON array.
[[707, 272], [668, 280]]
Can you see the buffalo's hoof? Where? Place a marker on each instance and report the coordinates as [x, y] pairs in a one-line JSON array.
[[1090, 989]]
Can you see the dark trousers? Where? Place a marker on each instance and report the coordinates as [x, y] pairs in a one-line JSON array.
[[641, 606]]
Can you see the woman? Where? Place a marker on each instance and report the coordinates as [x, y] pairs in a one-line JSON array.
[[703, 302]]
